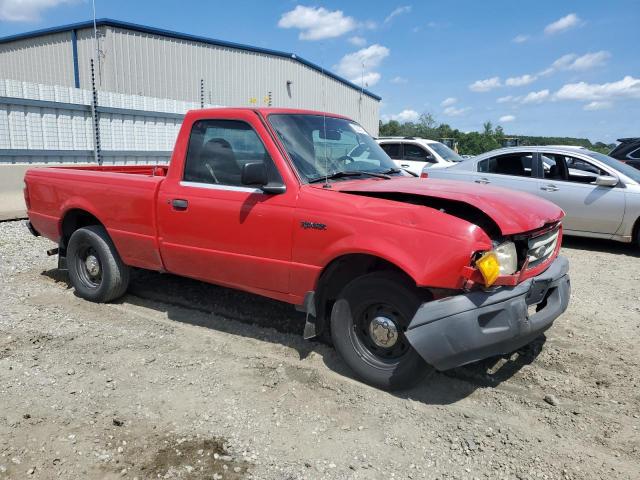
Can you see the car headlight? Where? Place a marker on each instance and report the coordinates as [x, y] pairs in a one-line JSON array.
[[502, 260]]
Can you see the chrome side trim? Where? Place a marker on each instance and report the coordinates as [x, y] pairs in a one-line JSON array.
[[213, 186]]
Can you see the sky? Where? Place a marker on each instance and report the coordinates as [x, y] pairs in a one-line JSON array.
[[556, 68]]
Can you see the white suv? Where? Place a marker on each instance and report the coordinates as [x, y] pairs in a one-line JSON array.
[[414, 154]]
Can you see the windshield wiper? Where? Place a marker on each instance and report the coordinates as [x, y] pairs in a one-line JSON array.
[[349, 173], [398, 170]]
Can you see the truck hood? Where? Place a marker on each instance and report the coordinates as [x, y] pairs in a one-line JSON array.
[[513, 212]]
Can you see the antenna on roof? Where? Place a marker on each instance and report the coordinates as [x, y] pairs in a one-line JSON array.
[[324, 123], [361, 93]]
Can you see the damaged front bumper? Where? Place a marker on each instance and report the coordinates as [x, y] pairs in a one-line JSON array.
[[465, 328]]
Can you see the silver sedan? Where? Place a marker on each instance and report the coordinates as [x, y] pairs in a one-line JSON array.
[[599, 194]]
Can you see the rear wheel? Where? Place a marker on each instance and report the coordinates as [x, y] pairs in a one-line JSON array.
[[95, 268], [367, 328]]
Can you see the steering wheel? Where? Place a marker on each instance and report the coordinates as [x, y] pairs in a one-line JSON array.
[[346, 159]]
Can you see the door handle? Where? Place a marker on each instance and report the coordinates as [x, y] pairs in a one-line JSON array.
[[549, 188], [405, 165], [482, 180], [179, 204]]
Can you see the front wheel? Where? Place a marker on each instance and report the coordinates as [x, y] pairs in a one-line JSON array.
[[368, 325], [95, 268]]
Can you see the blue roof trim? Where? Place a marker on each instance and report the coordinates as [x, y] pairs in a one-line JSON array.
[[184, 36]]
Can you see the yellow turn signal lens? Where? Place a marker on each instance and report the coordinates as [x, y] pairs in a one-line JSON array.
[[489, 267]]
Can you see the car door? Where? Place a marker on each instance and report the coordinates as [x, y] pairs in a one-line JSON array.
[[514, 170], [415, 157], [569, 182], [214, 228]]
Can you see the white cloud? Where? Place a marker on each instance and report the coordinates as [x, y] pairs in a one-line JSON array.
[[351, 65], [598, 106], [399, 80], [507, 99], [507, 118], [628, 87], [455, 112], [27, 10], [536, 97], [317, 23], [520, 81], [520, 38], [590, 60], [404, 116], [562, 24], [485, 85], [358, 41], [368, 79], [573, 62], [447, 102], [396, 12]]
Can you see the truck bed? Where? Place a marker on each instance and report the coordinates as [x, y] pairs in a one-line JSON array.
[[126, 195]]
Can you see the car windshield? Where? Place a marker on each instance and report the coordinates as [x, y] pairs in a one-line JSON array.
[[445, 152], [321, 146], [628, 170]]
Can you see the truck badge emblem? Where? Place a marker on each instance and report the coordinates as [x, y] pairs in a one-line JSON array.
[[316, 226]]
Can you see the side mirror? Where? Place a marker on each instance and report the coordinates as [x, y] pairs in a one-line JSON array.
[[255, 174], [606, 181]]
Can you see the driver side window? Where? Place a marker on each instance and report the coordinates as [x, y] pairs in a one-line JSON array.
[[569, 169], [218, 149]]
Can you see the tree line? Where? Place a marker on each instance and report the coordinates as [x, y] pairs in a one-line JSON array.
[[474, 143]]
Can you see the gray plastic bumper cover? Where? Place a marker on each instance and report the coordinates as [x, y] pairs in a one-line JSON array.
[[457, 330]]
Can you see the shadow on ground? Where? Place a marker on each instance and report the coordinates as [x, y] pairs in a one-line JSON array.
[[239, 313], [600, 245]]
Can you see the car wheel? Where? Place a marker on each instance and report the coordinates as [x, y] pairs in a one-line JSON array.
[[95, 268], [368, 322]]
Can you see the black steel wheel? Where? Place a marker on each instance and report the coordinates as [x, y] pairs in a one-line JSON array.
[[95, 268], [368, 325]]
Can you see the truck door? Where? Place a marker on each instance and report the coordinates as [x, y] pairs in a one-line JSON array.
[[214, 228]]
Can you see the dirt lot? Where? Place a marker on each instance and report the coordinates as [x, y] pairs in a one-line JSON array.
[[186, 380]]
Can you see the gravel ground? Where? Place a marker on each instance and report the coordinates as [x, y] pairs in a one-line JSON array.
[[185, 380]]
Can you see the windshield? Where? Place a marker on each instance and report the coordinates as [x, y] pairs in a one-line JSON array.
[[445, 152], [320, 146], [628, 170]]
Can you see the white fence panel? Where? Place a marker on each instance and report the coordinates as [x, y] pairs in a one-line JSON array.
[[39, 123]]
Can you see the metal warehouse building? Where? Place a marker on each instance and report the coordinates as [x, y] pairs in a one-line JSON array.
[[141, 60]]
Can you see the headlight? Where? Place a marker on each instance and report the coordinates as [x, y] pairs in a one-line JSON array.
[[502, 260]]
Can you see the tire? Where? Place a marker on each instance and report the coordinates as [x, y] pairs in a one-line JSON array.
[[370, 298], [91, 247]]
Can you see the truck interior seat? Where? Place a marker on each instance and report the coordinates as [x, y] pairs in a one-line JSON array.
[[218, 157]]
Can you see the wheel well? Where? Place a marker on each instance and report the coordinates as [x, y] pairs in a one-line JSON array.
[[635, 234], [338, 274], [72, 221]]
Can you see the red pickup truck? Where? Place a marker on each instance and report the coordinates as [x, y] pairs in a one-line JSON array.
[[403, 274]]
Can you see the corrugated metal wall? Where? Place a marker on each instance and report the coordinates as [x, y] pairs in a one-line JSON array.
[[147, 64], [46, 59]]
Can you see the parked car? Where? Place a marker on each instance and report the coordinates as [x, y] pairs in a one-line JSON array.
[[599, 194], [414, 154], [628, 151], [396, 270]]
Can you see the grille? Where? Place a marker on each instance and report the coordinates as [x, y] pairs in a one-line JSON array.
[[540, 248]]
